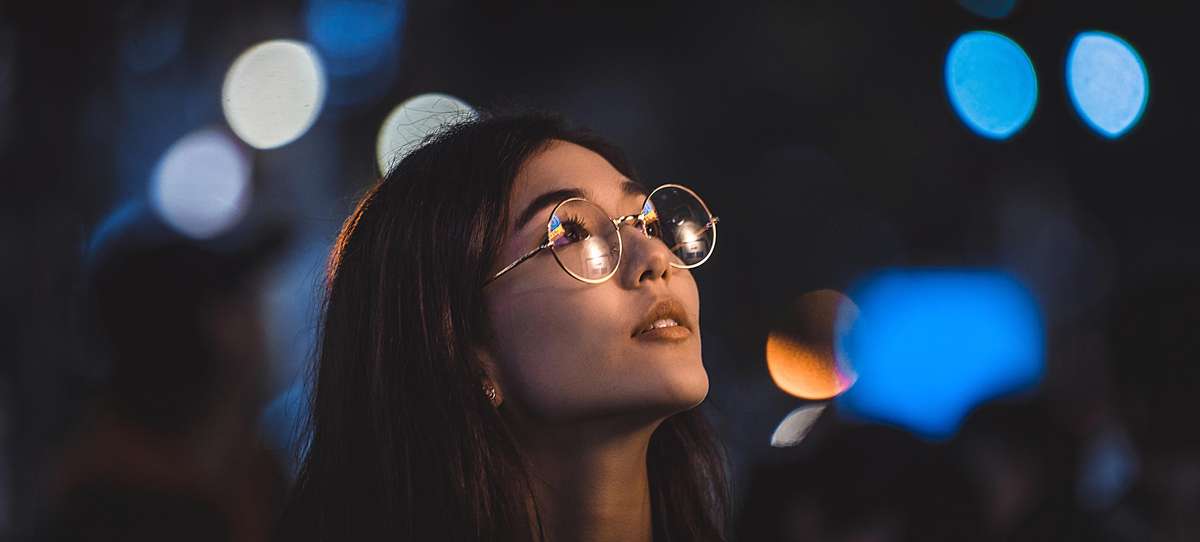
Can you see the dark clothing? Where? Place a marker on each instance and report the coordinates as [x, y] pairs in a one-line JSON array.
[[123, 483]]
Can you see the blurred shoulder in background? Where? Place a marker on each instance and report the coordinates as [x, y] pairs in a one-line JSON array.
[[171, 450]]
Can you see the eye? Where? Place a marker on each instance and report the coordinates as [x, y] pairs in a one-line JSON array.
[[576, 228], [652, 229], [649, 221], [568, 229]]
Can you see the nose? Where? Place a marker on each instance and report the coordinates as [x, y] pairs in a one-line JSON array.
[[644, 258]]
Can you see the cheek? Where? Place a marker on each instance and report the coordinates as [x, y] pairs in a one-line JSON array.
[[569, 353], [553, 350]]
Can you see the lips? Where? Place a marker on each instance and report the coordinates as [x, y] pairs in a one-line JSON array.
[[665, 308]]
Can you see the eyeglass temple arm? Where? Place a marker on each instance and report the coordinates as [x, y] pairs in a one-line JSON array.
[[527, 256]]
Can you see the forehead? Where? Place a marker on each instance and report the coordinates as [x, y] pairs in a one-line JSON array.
[[567, 165]]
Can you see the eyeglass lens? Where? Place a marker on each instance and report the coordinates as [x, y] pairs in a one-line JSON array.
[[587, 244]]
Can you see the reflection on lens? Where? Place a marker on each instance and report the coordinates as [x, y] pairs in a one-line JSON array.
[[691, 245], [681, 220], [584, 240], [596, 259]]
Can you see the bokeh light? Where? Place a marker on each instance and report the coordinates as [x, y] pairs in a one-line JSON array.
[[991, 9], [116, 221], [273, 93], [201, 186], [282, 428], [796, 425], [1107, 81], [291, 307], [930, 345], [803, 355], [1108, 469], [991, 83], [410, 122], [353, 36]]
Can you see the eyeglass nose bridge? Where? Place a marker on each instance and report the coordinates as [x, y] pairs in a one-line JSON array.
[[634, 220]]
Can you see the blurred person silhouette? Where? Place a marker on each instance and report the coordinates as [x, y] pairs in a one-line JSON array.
[[1157, 368], [852, 482], [1024, 463], [171, 450]]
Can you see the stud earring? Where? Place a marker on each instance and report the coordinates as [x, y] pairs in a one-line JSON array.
[[490, 391]]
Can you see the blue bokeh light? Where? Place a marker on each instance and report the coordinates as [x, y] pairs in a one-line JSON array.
[[991, 83], [354, 36], [123, 217], [291, 306], [991, 9], [930, 345], [282, 426], [1108, 83]]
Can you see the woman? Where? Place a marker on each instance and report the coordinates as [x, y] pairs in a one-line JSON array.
[[483, 372]]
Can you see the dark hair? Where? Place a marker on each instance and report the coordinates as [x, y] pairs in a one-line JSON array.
[[404, 444]]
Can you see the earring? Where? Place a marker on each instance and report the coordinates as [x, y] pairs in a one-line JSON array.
[[490, 391]]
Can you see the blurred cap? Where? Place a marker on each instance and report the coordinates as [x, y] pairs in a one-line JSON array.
[[135, 248]]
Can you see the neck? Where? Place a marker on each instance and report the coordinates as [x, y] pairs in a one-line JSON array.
[[591, 482]]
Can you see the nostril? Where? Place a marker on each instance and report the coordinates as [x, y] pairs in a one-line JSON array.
[[652, 273]]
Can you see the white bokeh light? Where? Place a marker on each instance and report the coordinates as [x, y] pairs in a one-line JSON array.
[[410, 122], [1108, 82], [273, 93], [201, 186], [796, 425]]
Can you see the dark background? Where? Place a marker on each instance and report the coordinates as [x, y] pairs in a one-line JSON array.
[[827, 120]]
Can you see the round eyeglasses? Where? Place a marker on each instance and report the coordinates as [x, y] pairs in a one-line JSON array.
[[587, 243]]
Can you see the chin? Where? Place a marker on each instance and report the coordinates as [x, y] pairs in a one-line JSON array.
[[684, 390]]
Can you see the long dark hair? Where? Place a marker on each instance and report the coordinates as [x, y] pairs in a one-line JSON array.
[[404, 444]]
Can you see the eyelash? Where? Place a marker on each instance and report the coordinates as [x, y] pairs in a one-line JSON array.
[[568, 221], [572, 219]]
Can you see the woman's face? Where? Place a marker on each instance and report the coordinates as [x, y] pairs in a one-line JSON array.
[[564, 349]]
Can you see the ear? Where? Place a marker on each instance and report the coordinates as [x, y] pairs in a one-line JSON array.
[[491, 373]]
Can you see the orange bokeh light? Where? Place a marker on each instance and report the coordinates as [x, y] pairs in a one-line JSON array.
[[802, 354], [805, 371]]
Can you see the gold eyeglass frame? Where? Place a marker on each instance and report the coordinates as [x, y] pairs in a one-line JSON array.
[[617, 222]]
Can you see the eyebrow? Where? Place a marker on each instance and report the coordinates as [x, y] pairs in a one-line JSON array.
[[629, 188]]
